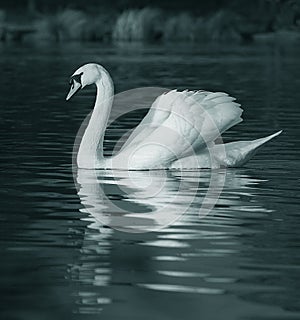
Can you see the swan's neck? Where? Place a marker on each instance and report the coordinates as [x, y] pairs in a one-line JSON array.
[[90, 152]]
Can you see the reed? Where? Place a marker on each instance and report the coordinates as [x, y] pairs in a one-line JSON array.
[[67, 24], [180, 27], [99, 27], [223, 26], [2, 25], [151, 24], [138, 25]]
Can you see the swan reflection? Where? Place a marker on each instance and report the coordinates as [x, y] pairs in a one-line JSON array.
[[181, 253], [136, 201], [140, 201]]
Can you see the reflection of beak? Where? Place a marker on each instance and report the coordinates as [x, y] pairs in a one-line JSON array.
[[76, 86]]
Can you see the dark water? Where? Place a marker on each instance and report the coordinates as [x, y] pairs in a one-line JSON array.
[[58, 262]]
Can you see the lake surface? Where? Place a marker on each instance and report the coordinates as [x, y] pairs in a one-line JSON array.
[[241, 261]]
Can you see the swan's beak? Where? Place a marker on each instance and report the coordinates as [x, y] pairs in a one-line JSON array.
[[75, 87]]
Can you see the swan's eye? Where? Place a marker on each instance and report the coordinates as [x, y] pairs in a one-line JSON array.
[[76, 77]]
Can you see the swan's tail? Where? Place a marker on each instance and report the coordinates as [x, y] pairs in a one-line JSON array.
[[238, 153]]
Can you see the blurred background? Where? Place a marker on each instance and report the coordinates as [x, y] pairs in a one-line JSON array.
[[148, 21]]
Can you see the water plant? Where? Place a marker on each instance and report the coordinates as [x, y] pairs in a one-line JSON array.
[[152, 24], [99, 27], [68, 24], [2, 24], [138, 25], [223, 26], [180, 27]]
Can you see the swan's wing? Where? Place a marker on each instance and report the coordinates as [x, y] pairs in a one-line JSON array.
[[179, 123], [153, 119]]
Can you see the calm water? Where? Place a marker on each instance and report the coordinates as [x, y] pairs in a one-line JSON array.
[[57, 261]]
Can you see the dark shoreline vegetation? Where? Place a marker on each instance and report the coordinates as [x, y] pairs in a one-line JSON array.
[[154, 25]]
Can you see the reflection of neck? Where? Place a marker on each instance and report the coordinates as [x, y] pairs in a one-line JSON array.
[[91, 146]]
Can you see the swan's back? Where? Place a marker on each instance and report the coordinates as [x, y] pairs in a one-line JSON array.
[[177, 125]]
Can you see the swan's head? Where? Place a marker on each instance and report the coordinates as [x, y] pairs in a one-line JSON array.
[[87, 74]]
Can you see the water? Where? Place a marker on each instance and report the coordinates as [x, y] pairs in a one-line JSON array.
[[57, 261]]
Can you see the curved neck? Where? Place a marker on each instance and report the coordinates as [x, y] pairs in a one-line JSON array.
[[90, 152]]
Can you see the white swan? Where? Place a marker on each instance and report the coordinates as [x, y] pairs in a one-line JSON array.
[[178, 131]]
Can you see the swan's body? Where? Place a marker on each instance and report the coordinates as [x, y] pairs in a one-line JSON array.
[[178, 132]]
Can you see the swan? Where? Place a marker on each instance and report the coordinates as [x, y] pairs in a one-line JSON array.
[[178, 132]]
